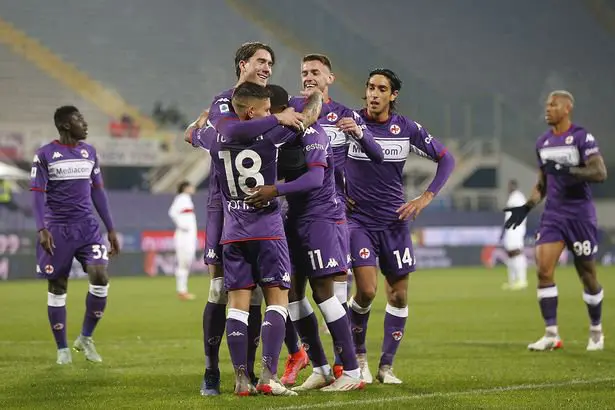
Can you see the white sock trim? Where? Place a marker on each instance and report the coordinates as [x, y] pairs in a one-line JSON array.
[[550, 292], [399, 312], [332, 310], [593, 300], [358, 308], [99, 290], [278, 309], [237, 314], [299, 310], [340, 289], [54, 300], [257, 297]]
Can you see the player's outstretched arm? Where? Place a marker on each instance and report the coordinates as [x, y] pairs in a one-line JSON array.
[[446, 165], [312, 179], [519, 213], [312, 108], [199, 123]]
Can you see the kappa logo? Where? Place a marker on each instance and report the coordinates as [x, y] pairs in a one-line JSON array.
[[85, 153], [332, 263], [221, 100], [35, 160], [589, 138], [397, 335], [214, 341], [211, 254], [266, 323], [309, 131], [56, 155], [394, 128], [364, 253], [236, 333], [332, 117], [286, 277]]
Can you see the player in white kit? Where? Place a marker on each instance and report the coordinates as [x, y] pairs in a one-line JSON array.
[[182, 214], [513, 242]]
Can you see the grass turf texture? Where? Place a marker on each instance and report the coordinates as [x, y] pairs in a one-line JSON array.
[[464, 347]]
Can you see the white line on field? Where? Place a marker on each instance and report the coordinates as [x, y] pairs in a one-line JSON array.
[[475, 392]]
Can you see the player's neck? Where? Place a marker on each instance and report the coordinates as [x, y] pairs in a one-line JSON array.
[[561, 127], [66, 139], [379, 116]]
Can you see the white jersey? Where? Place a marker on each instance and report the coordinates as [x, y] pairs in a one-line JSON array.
[[514, 238], [516, 198], [182, 214]]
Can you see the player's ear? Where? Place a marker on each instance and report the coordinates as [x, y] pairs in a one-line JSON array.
[[394, 95], [250, 112], [331, 79], [66, 126], [242, 66]]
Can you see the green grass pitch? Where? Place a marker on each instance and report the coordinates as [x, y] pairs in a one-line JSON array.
[[464, 347]]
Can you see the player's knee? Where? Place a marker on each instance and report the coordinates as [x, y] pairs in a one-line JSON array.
[[545, 273], [217, 294], [398, 297], [322, 289], [366, 293], [98, 275], [57, 286]]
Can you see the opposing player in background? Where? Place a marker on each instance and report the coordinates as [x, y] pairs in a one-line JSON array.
[[513, 242], [343, 126], [378, 221], [182, 214], [253, 63], [315, 244], [569, 160], [255, 251], [65, 182]]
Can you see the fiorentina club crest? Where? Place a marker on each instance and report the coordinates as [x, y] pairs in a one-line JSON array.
[[397, 335], [332, 117], [364, 253], [394, 128], [84, 153], [48, 269], [569, 139]]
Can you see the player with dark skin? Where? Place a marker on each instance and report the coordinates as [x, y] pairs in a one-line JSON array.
[[72, 132], [559, 106]]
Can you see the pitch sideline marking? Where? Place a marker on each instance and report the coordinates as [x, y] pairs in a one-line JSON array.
[[474, 392]]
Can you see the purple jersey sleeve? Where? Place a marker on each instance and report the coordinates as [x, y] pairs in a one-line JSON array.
[[280, 135], [588, 146], [235, 130], [314, 145], [422, 143], [39, 175], [372, 149], [203, 137], [219, 108], [96, 177]]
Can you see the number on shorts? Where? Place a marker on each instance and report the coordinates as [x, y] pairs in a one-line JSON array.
[[252, 171], [405, 258], [582, 248], [316, 259], [100, 252]]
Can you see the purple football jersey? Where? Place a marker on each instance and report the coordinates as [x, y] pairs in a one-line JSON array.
[[321, 203], [568, 197], [220, 105], [66, 173], [239, 167], [330, 114], [378, 189]]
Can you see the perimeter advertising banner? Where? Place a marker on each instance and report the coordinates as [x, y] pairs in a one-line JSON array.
[[151, 253]]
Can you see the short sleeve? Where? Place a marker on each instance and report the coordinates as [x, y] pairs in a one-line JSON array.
[[221, 108], [203, 137]]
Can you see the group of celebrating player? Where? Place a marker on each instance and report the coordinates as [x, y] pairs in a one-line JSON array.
[[340, 172]]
